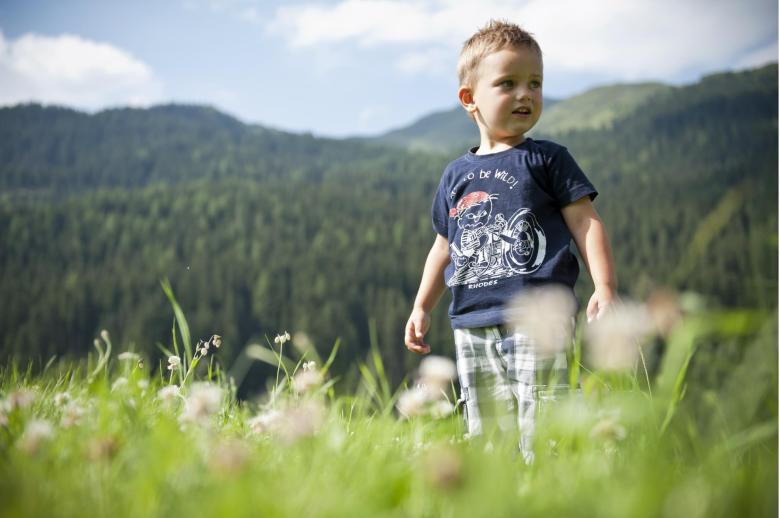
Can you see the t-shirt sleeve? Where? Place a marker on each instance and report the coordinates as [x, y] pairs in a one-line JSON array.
[[568, 181], [440, 212]]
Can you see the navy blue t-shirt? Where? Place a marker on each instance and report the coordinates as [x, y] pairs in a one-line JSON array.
[[501, 214]]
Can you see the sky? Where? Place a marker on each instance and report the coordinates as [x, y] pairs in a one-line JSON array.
[[352, 67]]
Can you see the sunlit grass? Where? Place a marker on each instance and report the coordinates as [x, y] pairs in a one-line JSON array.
[[125, 437]]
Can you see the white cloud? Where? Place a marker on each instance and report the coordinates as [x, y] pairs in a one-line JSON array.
[[617, 38], [74, 71]]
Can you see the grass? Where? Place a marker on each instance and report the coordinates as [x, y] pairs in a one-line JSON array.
[[630, 443]]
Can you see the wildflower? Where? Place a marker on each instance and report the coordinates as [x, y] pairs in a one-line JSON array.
[[71, 415], [168, 395], [309, 366], [229, 457], [35, 434], [614, 339], [413, 402], [174, 363], [104, 336], [103, 448], [216, 341], [128, 355], [306, 381], [608, 429], [203, 347], [437, 371], [282, 339], [301, 422], [665, 311], [266, 422], [21, 398], [143, 384], [546, 316], [441, 409], [443, 467], [120, 383], [61, 398], [204, 400]]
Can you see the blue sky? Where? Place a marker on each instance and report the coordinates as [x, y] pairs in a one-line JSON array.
[[349, 67]]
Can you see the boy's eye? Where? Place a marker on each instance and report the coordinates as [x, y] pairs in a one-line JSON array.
[[507, 83], [536, 84]]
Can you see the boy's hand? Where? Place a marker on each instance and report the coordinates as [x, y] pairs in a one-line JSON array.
[[416, 327], [603, 297]]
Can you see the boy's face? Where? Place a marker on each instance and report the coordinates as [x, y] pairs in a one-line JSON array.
[[506, 98]]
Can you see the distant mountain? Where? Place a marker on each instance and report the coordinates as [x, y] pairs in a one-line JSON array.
[[597, 108], [261, 231]]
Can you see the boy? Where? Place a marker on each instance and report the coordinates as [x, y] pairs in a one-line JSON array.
[[504, 214]]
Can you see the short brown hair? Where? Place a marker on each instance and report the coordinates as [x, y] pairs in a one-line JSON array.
[[496, 35]]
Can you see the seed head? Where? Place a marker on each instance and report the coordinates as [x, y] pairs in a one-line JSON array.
[[204, 400], [544, 314], [37, 432], [437, 371], [282, 339], [306, 381], [174, 363], [614, 339]]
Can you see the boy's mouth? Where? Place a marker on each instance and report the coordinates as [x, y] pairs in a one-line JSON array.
[[523, 110]]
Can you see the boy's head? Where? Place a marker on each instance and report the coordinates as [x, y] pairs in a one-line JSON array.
[[494, 36], [500, 74]]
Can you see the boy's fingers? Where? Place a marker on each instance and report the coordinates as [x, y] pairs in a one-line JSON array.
[[592, 311], [419, 349]]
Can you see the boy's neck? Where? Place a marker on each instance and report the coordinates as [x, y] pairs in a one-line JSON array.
[[488, 146]]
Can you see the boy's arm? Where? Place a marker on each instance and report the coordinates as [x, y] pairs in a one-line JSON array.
[[589, 234], [431, 289]]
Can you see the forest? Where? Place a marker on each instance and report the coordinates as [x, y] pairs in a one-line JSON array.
[[261, 231]]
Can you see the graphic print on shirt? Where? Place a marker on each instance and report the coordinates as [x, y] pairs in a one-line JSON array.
[[490, 246]]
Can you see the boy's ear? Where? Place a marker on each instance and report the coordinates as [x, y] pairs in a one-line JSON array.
[[466, 98]]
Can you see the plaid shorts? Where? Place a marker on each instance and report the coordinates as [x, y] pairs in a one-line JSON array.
[[504, 381]]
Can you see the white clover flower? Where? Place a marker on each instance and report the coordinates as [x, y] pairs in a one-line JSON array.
[[306, 381], [265, 422], [608, 429], [229, 456], [119, 384], [441, 409], [168, 394], [437, 371], [128, 356], [282, 339], [614, 339], [413, 402], [21, 398], [310, 365], [546, 316], [35, 434], [301, 422], [203, 401], [174, 363], [72, 414]]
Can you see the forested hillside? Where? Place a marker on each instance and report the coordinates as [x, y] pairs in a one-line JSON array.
[[261, 231]]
